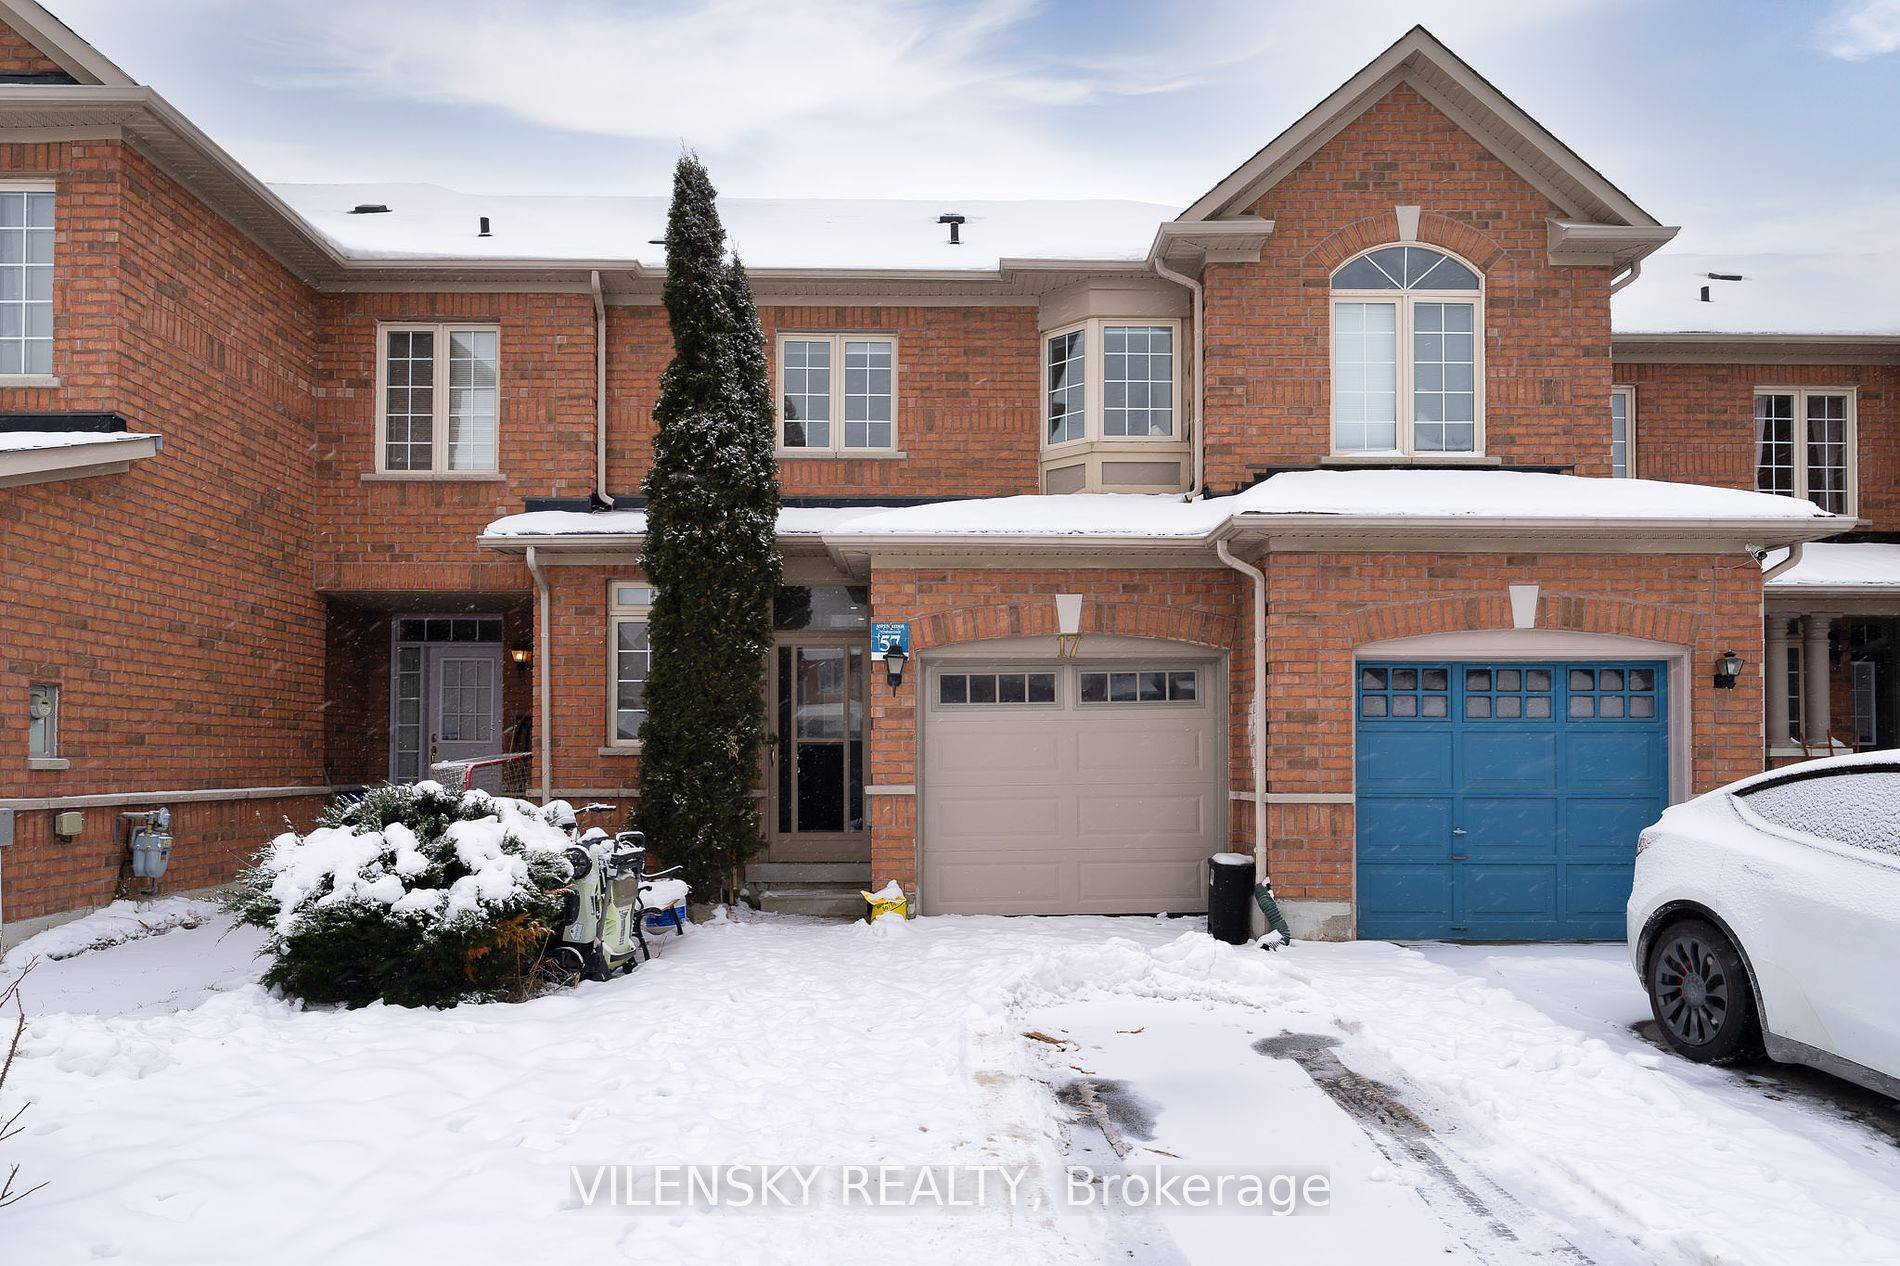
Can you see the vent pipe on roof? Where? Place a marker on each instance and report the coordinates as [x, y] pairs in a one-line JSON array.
[[956, 223], [483, 231]]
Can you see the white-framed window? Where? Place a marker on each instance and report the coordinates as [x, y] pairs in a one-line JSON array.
[[438, 398], [1804, 445], [26, 280], [1408, 354], [42, 721], [1111, 379], [1623, 432], [629, 659], [837, 393]]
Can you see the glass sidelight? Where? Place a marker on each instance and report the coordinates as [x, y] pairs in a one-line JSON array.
[[820, 739]]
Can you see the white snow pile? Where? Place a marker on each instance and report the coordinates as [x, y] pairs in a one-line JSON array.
[[1839, 565], [31, 441], [481, 864], [110, 925]]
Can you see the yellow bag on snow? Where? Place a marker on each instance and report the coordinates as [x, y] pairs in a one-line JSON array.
[[886, 901]]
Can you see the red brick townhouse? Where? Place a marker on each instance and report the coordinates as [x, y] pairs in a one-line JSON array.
[[1301, 522]]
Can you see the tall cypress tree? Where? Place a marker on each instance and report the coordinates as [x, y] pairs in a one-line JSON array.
[[711, 553]]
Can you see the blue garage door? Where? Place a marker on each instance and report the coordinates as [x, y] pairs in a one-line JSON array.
[[1502, 801]]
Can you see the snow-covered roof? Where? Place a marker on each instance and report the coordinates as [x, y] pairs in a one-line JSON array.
[[30, 441], [430, 222], [1816, 294], [1480, 496], [1840, 565], [1507, 494]]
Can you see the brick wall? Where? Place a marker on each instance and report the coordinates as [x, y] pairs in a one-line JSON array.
[[172, 603], [1547, 341], [1696, 423], [967, 392], [1324, 605], [18, 57], [419, 535]]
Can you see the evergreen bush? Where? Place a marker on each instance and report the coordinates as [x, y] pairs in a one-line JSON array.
[[411, 895]]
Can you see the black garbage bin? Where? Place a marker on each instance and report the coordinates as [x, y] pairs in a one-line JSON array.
[[1229, 897]]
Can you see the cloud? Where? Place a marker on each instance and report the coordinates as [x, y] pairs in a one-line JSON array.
[[1861, 30]]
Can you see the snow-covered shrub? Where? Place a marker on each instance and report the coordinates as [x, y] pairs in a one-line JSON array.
[[413, 895]]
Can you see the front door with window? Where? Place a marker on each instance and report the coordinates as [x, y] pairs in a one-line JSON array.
[[820, 687], [464, 695]]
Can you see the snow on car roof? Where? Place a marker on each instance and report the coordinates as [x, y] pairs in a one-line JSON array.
[[1840, 565], [431, 222], [1780, 294]]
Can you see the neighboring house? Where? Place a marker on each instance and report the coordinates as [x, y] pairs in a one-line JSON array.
[[325, 499]]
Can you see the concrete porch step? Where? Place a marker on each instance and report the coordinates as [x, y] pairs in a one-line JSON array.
[[824, 901], [858, 873]]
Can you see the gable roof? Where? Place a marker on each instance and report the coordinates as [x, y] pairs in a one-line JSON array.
[[61, 45], [1468, 99]]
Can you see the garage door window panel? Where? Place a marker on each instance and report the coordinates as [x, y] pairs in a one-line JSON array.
[[1138, 686], [996, 688]]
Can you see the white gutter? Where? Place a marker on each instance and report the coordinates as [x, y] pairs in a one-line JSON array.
[[1195, 289], [600, 389], [1635, 271], [1257, 724], [543, 668], [1794, 556]]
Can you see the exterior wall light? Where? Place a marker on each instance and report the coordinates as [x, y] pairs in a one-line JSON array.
[[521, 654], [894, 660], [1728, 667]]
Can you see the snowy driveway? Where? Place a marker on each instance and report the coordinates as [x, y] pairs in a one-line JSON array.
[[1466, 1105]]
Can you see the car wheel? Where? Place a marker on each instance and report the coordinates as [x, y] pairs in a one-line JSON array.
[[1699, 994]]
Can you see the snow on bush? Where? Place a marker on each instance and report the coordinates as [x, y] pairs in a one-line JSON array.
[[412, 895]]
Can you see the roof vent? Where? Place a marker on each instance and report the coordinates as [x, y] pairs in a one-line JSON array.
[[484, 230], [369, 208], [1719, 277], [955, 222]]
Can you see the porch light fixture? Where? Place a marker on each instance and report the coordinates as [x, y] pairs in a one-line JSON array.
[[1727, 669], [894, 660], [521, 653]]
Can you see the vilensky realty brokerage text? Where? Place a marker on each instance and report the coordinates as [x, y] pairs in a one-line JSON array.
[[633, 1188]]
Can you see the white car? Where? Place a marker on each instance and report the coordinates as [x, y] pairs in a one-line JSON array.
[[1766, 917]]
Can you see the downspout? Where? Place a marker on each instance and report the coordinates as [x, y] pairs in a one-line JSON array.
[[1200, 427], [1635, 271], [1257, 727], [543, 695], [1794, 556], [600, 391]]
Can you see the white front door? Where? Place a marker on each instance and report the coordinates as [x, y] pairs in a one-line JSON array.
[[462, 685]]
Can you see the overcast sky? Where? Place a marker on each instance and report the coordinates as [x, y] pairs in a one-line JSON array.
[[1757, 126]]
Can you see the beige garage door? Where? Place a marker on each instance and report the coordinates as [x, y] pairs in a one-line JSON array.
[[1070, 788]]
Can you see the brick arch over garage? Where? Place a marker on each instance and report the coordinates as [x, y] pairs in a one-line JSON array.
[[1567, 612], [1482, 250], [1160, 622]]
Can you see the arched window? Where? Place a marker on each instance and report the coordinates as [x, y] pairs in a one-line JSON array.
[[1408, 353]]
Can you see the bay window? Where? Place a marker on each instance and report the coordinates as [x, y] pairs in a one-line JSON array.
[[1804, 445], [1407, 354], [1622, 432], [26, 281], [837, 393], [1114, 380]]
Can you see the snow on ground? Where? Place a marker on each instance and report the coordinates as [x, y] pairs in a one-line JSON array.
[[109, 925], [1468, 1105]]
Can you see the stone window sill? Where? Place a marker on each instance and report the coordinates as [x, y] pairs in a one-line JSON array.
[[624, 749], [1401, 459], [29, 380], [841, 455], [433, 476], [48, 762]]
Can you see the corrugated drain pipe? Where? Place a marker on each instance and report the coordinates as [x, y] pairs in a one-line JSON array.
[[600, 392], [543, 740], [1257, 736], [1200, 430]]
